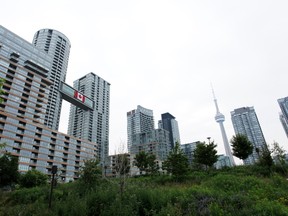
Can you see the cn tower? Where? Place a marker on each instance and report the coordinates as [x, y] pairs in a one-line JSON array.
[[220, 118]]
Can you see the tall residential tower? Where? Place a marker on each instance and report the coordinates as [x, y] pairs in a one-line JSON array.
[[245, 122], [56, 45], [92, 125], [169, 123], [139, 120]]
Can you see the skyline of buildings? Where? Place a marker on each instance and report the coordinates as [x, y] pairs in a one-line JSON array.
[[142, 135], [35, 74], [245, 122]]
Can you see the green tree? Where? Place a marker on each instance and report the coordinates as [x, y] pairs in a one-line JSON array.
[[278, 153], [241, 146], [8, 169], [265, 158], [141, 161], [176, 163], [146, 163], [90, 172], [205, 154], [33, 178], [122, 166], [152, 166]]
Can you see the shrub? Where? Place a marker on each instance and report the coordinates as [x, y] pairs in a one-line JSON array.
[[91, 172], [27, 196], [266, 207], [8, 168], [99, 200], [33, 178]]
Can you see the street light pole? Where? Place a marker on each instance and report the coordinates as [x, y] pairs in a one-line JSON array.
[[54, 171]]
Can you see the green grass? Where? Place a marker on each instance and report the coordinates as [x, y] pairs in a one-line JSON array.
[[232, 191]]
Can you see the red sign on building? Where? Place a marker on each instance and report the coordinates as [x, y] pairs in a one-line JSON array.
[[79, 96]]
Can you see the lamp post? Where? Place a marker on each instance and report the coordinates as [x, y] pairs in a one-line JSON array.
[[54, 171], [208, 139]]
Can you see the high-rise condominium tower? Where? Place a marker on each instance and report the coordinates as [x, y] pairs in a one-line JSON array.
[[92, 125], [139, 120], [220, 118], [245, 122], [25, 70], [283, 103], [169, 123], [57, 45]]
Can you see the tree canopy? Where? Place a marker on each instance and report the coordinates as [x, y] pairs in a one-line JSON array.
[[91, 171], [278, 153], [8, 169], [241, 146], [146, 162], [265, 158], [152, 166], [205, 154], [33, 178], [122, 166], [176, 162], [141, 161]]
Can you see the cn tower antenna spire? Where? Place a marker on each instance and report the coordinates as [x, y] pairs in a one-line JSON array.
[[220, 118], [215, 100]]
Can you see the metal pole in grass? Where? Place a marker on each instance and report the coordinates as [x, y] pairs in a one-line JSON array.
[[54, 171]]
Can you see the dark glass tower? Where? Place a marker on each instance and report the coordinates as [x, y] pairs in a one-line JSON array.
[[169, 123]]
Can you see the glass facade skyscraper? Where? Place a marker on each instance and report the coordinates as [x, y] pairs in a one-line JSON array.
[[139, 120], [245, 122], [57, 46], [169, 123], [283, 103], [92, 125]]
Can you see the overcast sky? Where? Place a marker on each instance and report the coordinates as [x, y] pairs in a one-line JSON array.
[[164, 55]]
